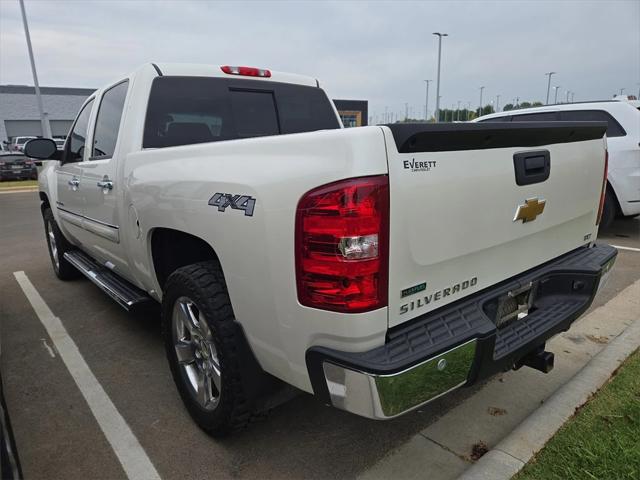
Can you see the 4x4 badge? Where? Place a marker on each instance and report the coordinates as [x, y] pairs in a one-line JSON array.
[[236, 202]]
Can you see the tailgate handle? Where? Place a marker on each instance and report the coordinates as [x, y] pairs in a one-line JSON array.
[[532, 167]]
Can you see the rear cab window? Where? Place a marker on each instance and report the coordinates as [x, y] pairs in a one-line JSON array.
[[189, 110]]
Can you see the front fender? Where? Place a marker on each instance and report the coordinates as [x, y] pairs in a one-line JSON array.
[[47, 184]]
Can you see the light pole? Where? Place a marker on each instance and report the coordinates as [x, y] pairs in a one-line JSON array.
[[426, 102], [572, 95], [568, 93], [556, 94], [480, 109], [46, 127], [621, 90], [440, 35], [549, 84], [458, 112], [468, 110], [497, 103]]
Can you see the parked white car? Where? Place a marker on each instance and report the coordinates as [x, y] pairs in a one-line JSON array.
[[623, 143], [377, 267], [17, 144]]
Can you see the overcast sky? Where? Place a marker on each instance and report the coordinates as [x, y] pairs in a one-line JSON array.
[[378, 51]]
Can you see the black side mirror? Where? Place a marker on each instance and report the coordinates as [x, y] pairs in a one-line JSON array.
[[42, 149]]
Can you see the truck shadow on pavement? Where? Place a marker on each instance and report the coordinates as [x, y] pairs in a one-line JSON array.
[[624, 227], [299, 438]]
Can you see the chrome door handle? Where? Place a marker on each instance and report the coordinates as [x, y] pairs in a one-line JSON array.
[[74, 182], [106, 185]]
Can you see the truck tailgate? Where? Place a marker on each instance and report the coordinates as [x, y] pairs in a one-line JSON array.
[[474, 204]]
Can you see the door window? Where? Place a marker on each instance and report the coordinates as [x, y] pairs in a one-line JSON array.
[[536, 117], [108, 121], [506, 118], [613, 127], [78, 135]]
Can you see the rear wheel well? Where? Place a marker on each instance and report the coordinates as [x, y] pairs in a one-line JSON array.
[[172, 249], [616, 203]]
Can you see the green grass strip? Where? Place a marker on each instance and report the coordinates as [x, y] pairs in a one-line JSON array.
[[602, 441]]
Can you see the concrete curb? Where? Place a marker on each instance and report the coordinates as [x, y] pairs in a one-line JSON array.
[[515, 450]]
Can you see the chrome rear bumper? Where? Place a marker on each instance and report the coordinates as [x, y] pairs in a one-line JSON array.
[[387, 396]]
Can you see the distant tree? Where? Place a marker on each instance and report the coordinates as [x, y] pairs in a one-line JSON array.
[[525, 105], [507, 107], [411, 120], [537, 104], [462, 115], [486, 110]]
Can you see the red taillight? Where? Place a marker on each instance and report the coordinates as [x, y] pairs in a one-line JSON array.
[[246, 71], [604, 186], [342, 244]]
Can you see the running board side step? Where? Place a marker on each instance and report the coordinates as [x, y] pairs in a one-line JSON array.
[[124, 293]]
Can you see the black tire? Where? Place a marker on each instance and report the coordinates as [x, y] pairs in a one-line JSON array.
[[62, 268], [609, 210], [203, 284]]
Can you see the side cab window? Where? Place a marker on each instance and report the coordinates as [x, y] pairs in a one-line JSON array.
[[536, 117], [108, 119], [504, 119], [76, 143], [614, 129]]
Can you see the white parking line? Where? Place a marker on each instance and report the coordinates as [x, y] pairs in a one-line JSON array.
[[124, 443], [631, 249]]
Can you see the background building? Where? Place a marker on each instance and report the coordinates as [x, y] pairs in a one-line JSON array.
[[19, 112], [354, 113]]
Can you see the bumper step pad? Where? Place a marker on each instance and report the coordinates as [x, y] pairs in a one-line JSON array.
[[438, 331]]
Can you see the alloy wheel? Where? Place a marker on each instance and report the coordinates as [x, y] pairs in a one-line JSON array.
[[196, 353]]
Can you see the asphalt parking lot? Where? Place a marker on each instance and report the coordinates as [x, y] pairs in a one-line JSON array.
[[58, 437]]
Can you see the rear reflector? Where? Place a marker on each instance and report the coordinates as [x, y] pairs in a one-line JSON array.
[[342, 244], [603, 192], [246, 71]]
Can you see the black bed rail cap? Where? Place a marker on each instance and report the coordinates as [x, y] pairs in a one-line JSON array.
[[443, 137]]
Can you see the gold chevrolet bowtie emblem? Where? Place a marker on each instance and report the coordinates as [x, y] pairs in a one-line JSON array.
[[530, 210]]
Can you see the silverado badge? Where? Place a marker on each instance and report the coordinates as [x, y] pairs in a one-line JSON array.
[[530, 210]]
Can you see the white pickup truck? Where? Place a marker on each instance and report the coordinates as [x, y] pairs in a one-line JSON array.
[[377, 267]]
